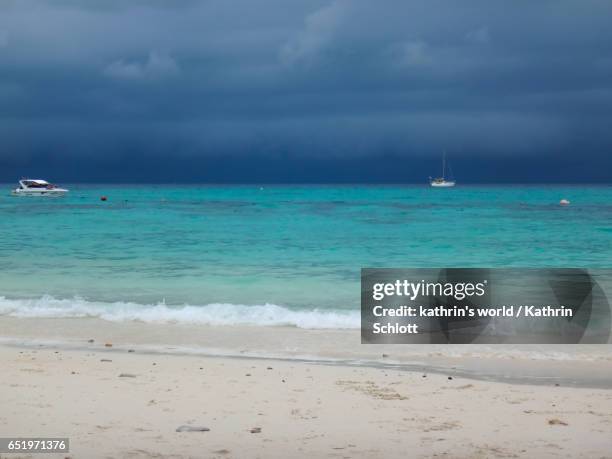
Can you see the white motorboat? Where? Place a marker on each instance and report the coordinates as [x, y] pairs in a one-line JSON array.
[[441, 182], [37, 187]]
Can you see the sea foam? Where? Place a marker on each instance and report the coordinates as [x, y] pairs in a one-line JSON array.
[[209, 314]]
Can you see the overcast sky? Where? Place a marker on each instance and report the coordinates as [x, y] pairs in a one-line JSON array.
[[277, 90]]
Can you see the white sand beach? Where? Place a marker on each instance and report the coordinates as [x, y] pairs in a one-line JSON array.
[[127, 401]]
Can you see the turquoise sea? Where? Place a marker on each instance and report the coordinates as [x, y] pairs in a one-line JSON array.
[[274, 254]]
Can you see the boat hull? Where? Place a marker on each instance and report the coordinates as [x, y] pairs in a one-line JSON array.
[[442, 184], [50, 193]]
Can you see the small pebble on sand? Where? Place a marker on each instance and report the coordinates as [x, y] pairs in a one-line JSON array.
[[192, 429], [556, 422]]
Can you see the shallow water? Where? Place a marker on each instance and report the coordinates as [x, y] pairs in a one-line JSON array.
[[274, 254]]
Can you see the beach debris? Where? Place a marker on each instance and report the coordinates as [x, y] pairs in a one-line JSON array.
[[108, 344], [127, 375], [91, 340], [384, 356], [105, 360], [255, 430], [564, 202], [283, 380], [450, 378], [222, 451], [103, 198], [248, 374], [269, 368], [73, 372], [424, 376], [556, 422], [130, 350], [185, 428]]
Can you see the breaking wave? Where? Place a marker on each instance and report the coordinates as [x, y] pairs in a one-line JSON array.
[[209, 314]]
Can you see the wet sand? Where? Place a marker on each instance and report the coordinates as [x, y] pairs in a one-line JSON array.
[[581, 365]]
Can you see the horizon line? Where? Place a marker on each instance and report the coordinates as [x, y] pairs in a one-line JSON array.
[[213, 183]]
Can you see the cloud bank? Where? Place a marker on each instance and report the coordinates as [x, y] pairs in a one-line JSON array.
[[105, 84]]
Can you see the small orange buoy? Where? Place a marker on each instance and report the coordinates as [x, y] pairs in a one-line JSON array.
[[564, 202], [102, 198]]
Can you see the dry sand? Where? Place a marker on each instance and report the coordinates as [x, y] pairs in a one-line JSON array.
[[303, 409]]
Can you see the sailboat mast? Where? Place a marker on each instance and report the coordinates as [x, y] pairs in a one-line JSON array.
[[443, 165]]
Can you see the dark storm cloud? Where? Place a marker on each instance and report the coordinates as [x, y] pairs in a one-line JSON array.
[[92, 86]]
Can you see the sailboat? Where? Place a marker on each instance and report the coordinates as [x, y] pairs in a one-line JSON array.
[[441, 182]]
